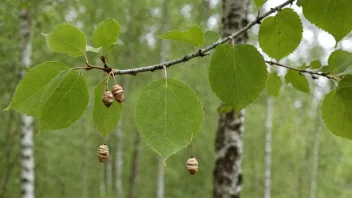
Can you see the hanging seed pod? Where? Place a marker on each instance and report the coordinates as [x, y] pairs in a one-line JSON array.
[[107, 98], [118, 93], [103, 153], [192, 165]]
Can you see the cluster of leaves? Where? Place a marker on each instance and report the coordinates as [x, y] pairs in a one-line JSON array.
[[168, 112]]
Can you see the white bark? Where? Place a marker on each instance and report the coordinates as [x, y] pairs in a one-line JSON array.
[[160, 191], [119, 161], [164, 53], [26, 137], [268, 125], [229, 136]]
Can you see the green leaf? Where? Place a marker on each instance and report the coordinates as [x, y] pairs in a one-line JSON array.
[[237, 75], [315, 64], [274, 84], [333, 16], [92, 49], [297, 80], [105, 119], [210, 37], [106, 34], [66, 104], [299, 2], [37, 85], [259, 3], [168, 115], [303, 66], [67, 39], [280, 35], [193, 36], [339, 62], [336, 109]]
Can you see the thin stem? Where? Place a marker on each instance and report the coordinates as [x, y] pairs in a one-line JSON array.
[[201, 52], [107, 82], [312, 73]]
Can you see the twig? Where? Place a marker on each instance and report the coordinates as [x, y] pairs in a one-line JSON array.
[[312, 73], [201, 52]]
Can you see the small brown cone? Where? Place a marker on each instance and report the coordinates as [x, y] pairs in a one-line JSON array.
[[118, 93], [103, 153], [107, 98], [192, 165]]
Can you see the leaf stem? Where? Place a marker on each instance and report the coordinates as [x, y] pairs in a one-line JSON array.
[[312, 73]]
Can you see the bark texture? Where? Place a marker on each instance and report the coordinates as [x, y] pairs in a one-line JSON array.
[[26, 136], [229, 136], [267, 156]]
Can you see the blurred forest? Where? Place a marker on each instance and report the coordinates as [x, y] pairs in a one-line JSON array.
[[66, 163]]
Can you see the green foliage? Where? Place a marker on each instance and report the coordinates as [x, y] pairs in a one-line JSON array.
[[237, 75], [168, 115], [336, 109], [210, 37], [259, 3], [333, 16], [105, 119], [92, 49], [34, 90], [106, 34], [316, 64], [68, 39], [274, 84], [340, 62], [67, 103], [297, 80], [280, 35], [193, 36], [53, 93]]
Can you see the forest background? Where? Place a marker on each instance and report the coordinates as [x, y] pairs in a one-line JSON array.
[[66, 164]]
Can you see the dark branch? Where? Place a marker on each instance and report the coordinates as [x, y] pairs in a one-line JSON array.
[[201, 52], [301, 71]]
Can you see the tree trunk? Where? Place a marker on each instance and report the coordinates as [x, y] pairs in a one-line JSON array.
[[134, 176], [268, 124], [313, 183], [108, 177], [102, 186], [164, 52], [85, 160], [26, 136], [229, 136], [119, 161]]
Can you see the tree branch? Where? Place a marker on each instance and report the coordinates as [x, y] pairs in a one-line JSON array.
[[200, 52], [312, 73]]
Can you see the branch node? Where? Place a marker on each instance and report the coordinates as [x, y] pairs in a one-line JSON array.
[[232, 41]]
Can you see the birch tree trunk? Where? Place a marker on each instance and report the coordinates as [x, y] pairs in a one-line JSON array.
[[313, 183], [134, 176], [164, 52], [119, 161], [84, 162], [26, 136], [268, 125], [102, 186], [229, 136]]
